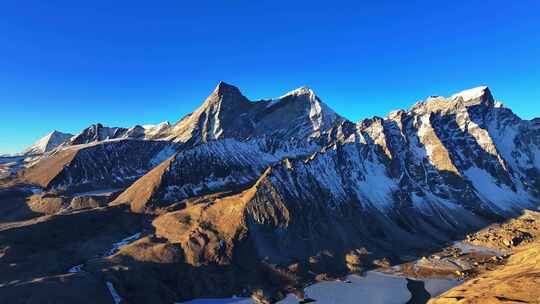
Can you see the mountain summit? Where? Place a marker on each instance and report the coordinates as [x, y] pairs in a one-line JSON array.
[[227, 113], [48, 143]]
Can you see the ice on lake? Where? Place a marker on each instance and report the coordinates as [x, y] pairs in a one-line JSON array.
[[374, 288], [221, 301], [436, 287], [470, 248]]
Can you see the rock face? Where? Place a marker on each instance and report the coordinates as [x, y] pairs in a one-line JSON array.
[[226, 113], [238, 187], [98, 132], [217, 166], [229, 141], [107, 164]]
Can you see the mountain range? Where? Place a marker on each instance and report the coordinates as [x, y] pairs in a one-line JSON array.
[[234, 194]]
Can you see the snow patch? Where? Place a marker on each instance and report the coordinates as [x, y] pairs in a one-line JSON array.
[[160, 125], [272, 102], [505, 142], [470, 94], [486, 187], [315, 115], [36, 190], [114, 294], [421, 204], [122, 243], [163, 155], [152, 130], [537, 158], [75, 269], [300, 91], [377, 186]]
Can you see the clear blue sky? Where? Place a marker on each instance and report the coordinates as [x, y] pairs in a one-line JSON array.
[[65, 65]]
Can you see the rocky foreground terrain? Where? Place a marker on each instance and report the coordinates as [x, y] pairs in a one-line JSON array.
[[261, 198], [516, 279]]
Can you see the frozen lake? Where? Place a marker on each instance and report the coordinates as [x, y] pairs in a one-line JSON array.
[[374, 288], [101, 192], [470, 248], [220, 301]]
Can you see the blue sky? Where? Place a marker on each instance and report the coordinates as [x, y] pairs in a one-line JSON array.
[[65, 65]]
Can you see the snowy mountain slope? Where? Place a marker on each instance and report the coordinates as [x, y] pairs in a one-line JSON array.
[[415, 177], [48, 143], [223, 165], [58, 140], [11, 164], [108, 164]]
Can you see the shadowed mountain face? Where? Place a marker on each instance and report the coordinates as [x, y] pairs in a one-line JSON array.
[[106, 164], [238, 187]]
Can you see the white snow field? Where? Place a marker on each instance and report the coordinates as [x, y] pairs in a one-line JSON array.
[[126, 241], [114, 294]]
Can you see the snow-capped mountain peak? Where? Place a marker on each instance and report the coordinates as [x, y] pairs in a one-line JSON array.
[[478, 95], [151, 131], [471, 93], [160, 125], [225, 94], [48, 142], [305, 90], [320, 115], [227, 113]]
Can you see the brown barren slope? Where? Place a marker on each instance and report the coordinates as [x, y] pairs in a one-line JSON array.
[[140, 193], [44, 171], [207, 232], [516, 282]]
